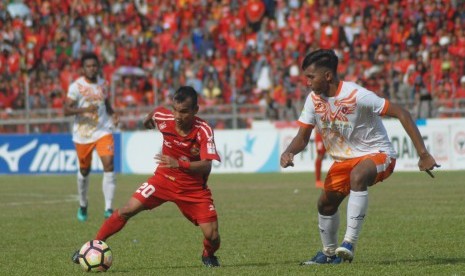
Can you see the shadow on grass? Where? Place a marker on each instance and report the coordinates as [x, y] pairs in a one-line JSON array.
[[431, 261]]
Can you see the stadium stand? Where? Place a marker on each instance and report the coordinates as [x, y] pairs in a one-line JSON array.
[[242, 56]]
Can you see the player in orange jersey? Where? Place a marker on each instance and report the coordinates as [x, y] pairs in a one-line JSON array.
[[94, 121], [348, 117]]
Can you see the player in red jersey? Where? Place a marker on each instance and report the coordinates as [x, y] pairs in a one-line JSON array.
[[182, 173]]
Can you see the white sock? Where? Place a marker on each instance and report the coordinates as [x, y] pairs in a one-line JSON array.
[[108, 187], [356, 211], [329, 226], [83, 186]]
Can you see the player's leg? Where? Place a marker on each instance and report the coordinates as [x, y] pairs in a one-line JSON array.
[[335, 190], [144, 198], [105, 149], [367, 172], [198, 207], [118, 219], [84, 154], [328, 224], [115, 222], [363, 174], [211, 243]]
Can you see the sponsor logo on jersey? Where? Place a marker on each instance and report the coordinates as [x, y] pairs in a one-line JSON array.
[[211, 149], [178, 143]]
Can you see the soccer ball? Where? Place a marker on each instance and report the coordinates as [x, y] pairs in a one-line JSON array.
[[96, 256]]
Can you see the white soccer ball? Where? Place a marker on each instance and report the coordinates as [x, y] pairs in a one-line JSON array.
[[95, 256]]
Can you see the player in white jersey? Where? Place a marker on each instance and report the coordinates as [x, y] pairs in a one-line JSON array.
[[94, 120], [348, 118]]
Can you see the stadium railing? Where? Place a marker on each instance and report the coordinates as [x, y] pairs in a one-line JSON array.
[[221, 116], [53, 121]]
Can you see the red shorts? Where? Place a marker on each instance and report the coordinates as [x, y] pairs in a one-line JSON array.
[[320, 146], [197, 206], [338, 177]]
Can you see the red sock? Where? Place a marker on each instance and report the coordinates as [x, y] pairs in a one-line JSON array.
[[112, 225], [210, 247], [318, 163]]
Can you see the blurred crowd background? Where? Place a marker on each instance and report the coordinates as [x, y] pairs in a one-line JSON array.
[[242, 56]]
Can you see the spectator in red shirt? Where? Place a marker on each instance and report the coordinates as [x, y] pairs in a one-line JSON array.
[[254, 12]]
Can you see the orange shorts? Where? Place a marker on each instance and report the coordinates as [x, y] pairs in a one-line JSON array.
[[338, 177], [320, 146], [105, 146]]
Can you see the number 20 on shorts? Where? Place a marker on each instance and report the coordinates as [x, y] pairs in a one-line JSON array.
[[146, 190]]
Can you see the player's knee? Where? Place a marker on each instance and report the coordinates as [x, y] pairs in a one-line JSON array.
[[211, 232], [212, 236], [129, 210], [326, 208], [109, 168], [359, 181], [84, 171]]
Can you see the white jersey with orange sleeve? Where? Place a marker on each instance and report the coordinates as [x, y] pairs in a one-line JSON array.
[[349, 122], [89, 127]]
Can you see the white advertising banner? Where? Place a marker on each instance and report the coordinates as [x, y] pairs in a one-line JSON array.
[[139, 150], [457, 147], [241, 151], [247, 151], [258, 150]]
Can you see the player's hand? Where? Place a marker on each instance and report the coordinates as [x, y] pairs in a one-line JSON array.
[[287, 159], [427, 163], [166, 161]]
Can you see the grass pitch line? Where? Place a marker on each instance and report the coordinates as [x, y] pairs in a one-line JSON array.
[[69, 198]]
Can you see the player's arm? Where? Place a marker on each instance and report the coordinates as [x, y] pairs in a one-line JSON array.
[[111, 111], [297, 144], [426, 161], [197, 167], [70, 108], [148, 122]]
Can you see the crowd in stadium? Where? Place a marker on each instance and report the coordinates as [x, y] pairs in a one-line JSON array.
[[409, 51]]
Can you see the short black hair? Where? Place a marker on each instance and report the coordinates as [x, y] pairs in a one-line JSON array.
[[185, 92], [89, 55], [321, 58]]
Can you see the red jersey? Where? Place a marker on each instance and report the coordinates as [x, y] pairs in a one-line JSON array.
[[198, 145]]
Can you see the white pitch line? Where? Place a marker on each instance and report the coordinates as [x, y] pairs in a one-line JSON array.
[[72, 198]]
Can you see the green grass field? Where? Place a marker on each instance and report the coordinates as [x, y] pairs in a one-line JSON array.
[[268, 224]]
